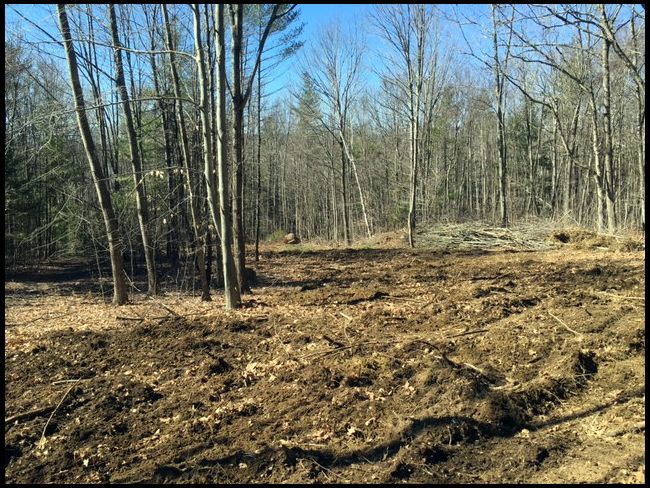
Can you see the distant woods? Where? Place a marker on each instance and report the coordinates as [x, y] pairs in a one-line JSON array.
[[159, 137]]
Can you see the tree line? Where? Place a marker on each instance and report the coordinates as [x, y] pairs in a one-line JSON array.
[[151, 133]]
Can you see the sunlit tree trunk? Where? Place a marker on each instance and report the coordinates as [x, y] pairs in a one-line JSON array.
[[112, 232], [185, 153], [231, 284], [136, 163], [501, 126], [607, 129]]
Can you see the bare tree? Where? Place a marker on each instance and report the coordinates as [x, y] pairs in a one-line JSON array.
[[241, 88], [410, 33], [334, 70], [167, 118], [220, 214], [231, 284], [136, 163], [112, 232], [185, 152], [607, 124], [500, 67]]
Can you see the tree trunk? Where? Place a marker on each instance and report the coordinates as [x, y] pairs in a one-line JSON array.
[[230, 281], [599, 176], [206, 129], [501, 140], [112, 232], [641, 153], [503, 167], [136, 163], [198, 236], [607, 126], [172, 234], [237, 15], [640, 99], [346, 211], [413, 178], [258, 189], [356, 176]]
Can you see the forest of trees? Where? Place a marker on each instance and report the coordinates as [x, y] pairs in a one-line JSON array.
[[152, 135]]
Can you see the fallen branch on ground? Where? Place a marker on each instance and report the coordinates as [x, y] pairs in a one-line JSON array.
[[140, 319], [168, 309], [467, 333], [346, 316], [565, 325], [28, 415], [620, 296], [56, 408], [59, 382]]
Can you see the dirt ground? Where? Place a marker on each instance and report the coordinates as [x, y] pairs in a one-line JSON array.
[[371, 365]]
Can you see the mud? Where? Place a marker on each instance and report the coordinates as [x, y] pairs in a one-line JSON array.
[[346, 365]]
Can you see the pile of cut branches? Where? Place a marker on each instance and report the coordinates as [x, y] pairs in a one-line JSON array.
[[468, 236]]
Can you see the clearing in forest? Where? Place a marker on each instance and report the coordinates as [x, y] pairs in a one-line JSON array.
[[380, 364]]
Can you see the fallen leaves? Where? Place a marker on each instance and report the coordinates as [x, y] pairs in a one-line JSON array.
[[212, 384]]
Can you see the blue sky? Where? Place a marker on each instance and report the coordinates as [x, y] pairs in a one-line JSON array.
[[41, 14], [314, 16], [317, 16]]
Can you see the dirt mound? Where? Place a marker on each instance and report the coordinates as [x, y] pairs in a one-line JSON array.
[[587, 239], [353, 365], [387, 240]]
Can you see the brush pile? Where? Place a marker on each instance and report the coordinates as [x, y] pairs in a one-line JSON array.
[[475, 235]]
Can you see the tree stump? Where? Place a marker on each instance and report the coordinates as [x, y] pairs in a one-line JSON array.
[[291, 238]]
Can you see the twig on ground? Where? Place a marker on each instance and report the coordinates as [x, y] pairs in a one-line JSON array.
[[620, 296], [26, 415], [475, 368], [346, 316], [510, 385], [406, 299], [334, 342], [69, 381], [57, 407], [339, 349], [565, 325], [140, 319], [45, 317], [460, 364], [468, 333], [168, 309]]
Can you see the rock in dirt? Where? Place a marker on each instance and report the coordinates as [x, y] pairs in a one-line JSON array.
[[291, 238]]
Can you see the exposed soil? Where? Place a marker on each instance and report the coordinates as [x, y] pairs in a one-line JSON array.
[[346, 365]]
